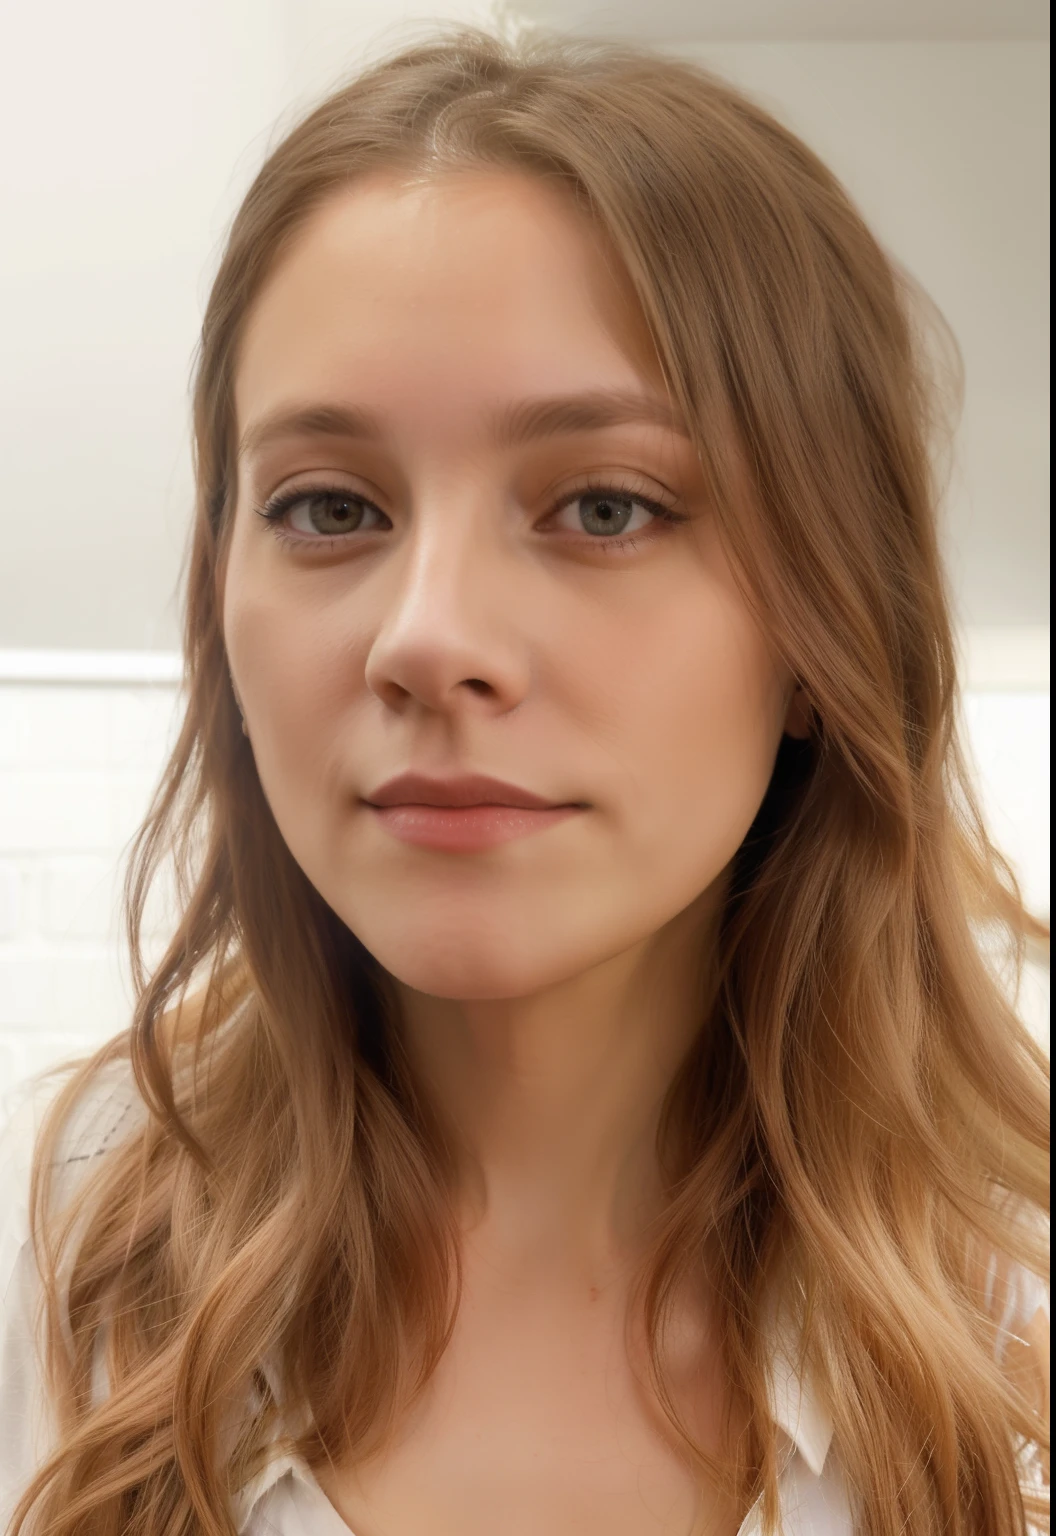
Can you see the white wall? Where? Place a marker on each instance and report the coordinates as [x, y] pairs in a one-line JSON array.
[[128, 129], [945, 148], [77, 766], [866, 21]]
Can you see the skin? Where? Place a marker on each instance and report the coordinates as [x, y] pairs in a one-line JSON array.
[[550, 986]]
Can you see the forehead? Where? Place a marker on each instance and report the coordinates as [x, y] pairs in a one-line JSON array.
[[477, 280]]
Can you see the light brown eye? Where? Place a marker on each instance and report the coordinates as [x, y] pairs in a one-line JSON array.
[[326, 512]]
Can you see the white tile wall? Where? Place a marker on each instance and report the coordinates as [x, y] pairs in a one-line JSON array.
[[78, 762]]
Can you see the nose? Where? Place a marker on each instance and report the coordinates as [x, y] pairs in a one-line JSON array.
[[447, 642]]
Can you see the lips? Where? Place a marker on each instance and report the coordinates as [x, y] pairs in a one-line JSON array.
[[463, 815], [471, 789]]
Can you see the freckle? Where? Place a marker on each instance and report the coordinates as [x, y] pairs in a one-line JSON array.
[[594, 1293]]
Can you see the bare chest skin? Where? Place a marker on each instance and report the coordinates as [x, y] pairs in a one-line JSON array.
[[534, 1422]]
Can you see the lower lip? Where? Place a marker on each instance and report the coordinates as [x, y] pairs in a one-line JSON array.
[[466, 829]]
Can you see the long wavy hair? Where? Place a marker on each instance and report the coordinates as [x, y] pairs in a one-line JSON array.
[[862, 1115]]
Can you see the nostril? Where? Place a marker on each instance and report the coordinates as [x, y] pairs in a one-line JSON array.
[[478, 685]]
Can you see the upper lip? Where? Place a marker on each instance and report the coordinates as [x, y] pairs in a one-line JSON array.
[[468, 789]]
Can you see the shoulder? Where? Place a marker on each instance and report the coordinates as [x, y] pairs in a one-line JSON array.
[[106, 1109], [1016, 1301], [107, 1106], [1013, 1296], [1018, 1304]]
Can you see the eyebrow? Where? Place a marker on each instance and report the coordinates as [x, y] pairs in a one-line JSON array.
[[523, 422]]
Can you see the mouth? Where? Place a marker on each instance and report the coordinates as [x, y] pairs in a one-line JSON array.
[[462, 815]]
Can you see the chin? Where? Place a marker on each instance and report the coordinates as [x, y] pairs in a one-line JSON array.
[[467, 965]]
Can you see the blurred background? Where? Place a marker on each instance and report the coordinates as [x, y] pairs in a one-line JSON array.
[[130, 132]]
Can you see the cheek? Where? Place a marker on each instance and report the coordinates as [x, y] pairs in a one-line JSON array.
[[294, 658], [695, 712], [723, 750]]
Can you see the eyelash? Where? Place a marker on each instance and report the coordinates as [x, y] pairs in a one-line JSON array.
[[276, 508]]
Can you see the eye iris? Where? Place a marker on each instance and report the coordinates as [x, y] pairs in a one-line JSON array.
[[334, 514], [605, 514]]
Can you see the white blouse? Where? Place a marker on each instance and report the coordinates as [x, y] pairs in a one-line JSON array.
[[284, 1499]]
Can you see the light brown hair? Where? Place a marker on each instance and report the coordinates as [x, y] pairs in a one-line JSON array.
[[863, 1113]]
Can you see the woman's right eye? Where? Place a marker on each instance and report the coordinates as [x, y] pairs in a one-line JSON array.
[[329, 513]]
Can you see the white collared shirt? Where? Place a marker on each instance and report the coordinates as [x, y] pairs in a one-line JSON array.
[[284, 1498]]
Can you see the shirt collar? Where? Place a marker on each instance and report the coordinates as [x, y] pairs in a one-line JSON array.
[[279, 1459], [797, 1404], [245, 1501]]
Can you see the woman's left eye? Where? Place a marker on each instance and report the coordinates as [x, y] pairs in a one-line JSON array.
[[606, 514]]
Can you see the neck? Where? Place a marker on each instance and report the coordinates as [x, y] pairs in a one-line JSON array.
[[552, 1101]]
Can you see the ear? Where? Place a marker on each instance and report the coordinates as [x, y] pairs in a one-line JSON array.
[[799, 715]]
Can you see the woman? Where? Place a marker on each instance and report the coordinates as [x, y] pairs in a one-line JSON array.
[[575, 1098]]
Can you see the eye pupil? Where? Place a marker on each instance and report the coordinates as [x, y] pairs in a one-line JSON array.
[[334, 514], [606, 514]]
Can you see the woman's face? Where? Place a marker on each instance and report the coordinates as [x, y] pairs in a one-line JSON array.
[[488, 552]]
